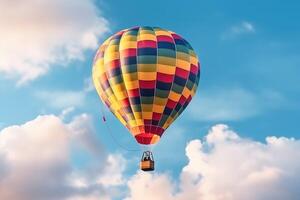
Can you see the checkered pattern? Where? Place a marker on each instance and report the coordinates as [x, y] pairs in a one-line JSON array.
[[146, 76]]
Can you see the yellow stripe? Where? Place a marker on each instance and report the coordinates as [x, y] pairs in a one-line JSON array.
[[112, 55], [132, 84], [194, 60], [183, 64], [174, 96], [147, 37], [127, 45], [166, 69], [130, 79], [130, 76], [158, 108], [186, 92], [147, 115], [161, 32], [147, 76]]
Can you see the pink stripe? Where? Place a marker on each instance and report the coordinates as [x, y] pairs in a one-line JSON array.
[[146, 44], [166, 78], [182, 100], [164, 38], [181, 73], [194, 69], [175, 36], [128, 52]]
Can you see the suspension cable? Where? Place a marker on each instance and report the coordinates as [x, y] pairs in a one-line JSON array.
[[104, 120]]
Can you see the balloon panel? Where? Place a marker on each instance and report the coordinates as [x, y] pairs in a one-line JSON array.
[[146, 76]]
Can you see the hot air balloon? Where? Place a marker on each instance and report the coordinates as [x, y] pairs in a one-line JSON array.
[[146, 76]]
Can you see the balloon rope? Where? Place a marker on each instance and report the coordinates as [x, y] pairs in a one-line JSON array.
[[112, 135]]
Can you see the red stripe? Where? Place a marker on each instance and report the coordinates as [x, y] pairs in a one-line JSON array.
[[143, 138], [156, 116], [128, 52], [175, 36], [147, 127], [147, 121], [182, 100], [146, 44], [166, 78], [153, 129], [113, 64], [133, 93], [194, 69], [164, 38], [147, 84], [171, 104], [189, 99], [125, 102], [181, 73], [160, 131]]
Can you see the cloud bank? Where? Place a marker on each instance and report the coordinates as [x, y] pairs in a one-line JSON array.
[[35, 35], [227, 167], [36, 162]]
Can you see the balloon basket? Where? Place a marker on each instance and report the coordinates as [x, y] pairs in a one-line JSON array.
[[147, 161]]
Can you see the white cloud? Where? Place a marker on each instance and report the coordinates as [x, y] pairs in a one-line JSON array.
[[35, 35], [110, 177], [227, 167], [232, 104], [35, 161], [241, 28], [148, 186], [82, 126]]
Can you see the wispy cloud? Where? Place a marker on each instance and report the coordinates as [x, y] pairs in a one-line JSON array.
[[62, 98], [241, 28], [88, 85], [37, 35], [65, 112], [231, 104]]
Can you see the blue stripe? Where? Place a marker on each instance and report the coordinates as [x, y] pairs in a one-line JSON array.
[[166, 45], [147, 51]]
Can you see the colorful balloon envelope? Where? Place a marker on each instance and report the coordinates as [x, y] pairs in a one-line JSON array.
[[146, 76]]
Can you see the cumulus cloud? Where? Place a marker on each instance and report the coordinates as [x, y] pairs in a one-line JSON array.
[[233, 104], [36, 161], [35, 35], [241, 28], [227, 167]]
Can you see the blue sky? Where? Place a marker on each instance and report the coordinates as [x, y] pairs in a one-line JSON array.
[[248, 50]]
